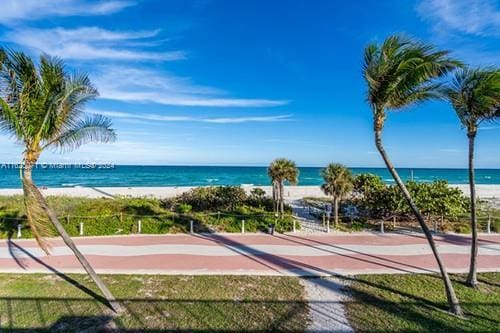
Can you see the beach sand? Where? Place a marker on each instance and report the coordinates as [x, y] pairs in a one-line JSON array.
[[491, 192]]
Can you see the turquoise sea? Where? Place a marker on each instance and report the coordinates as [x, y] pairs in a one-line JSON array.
[[133, 175]]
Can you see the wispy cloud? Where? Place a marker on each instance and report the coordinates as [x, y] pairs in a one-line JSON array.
[[13, 11], [451, 150], [88, 43], [143, 85], [475, 17], [215, 120]]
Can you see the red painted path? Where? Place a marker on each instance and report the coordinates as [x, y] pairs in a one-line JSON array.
[[291, 254]]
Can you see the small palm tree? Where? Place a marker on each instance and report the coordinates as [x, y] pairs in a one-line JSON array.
[[338, 184], [400, 73], [475, 96], [42, 108], [281, 170]]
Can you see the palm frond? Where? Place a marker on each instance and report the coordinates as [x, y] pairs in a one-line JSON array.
[[474, 93], [96, 128], [401, 70], [38, 219], [282, 169], [338, 180]]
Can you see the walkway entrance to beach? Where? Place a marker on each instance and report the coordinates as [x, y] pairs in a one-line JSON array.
[[308, 222]]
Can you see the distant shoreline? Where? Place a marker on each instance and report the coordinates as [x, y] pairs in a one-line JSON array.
[[489, 191]]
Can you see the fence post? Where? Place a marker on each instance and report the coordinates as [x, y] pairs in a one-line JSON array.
[[19, 230], [328, 226], [218, 217], [435, 226], [81, 228], [121, 217], [242, 226], [489, 224], [294, 228], [382, 227], [67, 219], [191, 226], [394, 221], [139, 226], [324, 221]]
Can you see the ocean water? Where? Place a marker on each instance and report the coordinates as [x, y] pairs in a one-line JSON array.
[[130, 176]]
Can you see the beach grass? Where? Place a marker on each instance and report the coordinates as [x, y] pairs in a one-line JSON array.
[[197, 303], [417, 303]]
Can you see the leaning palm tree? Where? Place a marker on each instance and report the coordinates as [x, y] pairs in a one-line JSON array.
[[42, 108], [475, 96], [338, 184], [400, 73], [281, 170]]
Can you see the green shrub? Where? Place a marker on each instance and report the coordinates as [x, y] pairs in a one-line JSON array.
[[184, 208], [379, 200], [210, 198]]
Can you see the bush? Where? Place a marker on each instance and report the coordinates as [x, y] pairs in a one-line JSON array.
[[220, 198], [184, 208], [379, 200]]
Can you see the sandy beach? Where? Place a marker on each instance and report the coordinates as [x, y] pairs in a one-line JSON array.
[[491, 192]]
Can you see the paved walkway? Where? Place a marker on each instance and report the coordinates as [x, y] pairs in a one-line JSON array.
[[292, 254], [326, 298]]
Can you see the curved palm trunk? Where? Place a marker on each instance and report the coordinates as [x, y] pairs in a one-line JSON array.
[[29, 187], [472, 277], [450, 292]]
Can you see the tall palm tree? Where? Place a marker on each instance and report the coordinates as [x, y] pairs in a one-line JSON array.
[[400, 73], [281, 170], [338, 183], [475, 96], [42, 108]]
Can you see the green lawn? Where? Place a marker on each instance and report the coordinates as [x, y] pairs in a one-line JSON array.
[[416, 303], [199, 303]]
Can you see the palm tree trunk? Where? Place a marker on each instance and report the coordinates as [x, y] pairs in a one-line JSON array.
[[29, 185], [472, 277], [282, 200], [336, 210], [450, 292], [274, 196]]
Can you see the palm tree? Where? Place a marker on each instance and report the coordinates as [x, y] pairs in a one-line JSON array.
[[475, 96], [399, 73], [42, 107], [338, 183], [281, 170]]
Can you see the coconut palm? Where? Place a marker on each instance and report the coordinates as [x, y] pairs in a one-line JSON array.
[[281, 170], [475, 96], [42, 108], [338, 184], [400, 73]]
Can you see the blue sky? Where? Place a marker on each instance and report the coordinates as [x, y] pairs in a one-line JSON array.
[[243, 82]]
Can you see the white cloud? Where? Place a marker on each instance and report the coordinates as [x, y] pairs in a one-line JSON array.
[[475, 17], [216, 120], [238, 120], [451, 150], [13, 11], [144, 85], [88, 43]]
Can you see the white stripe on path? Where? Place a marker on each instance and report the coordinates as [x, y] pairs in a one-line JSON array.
[[232, 250]]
